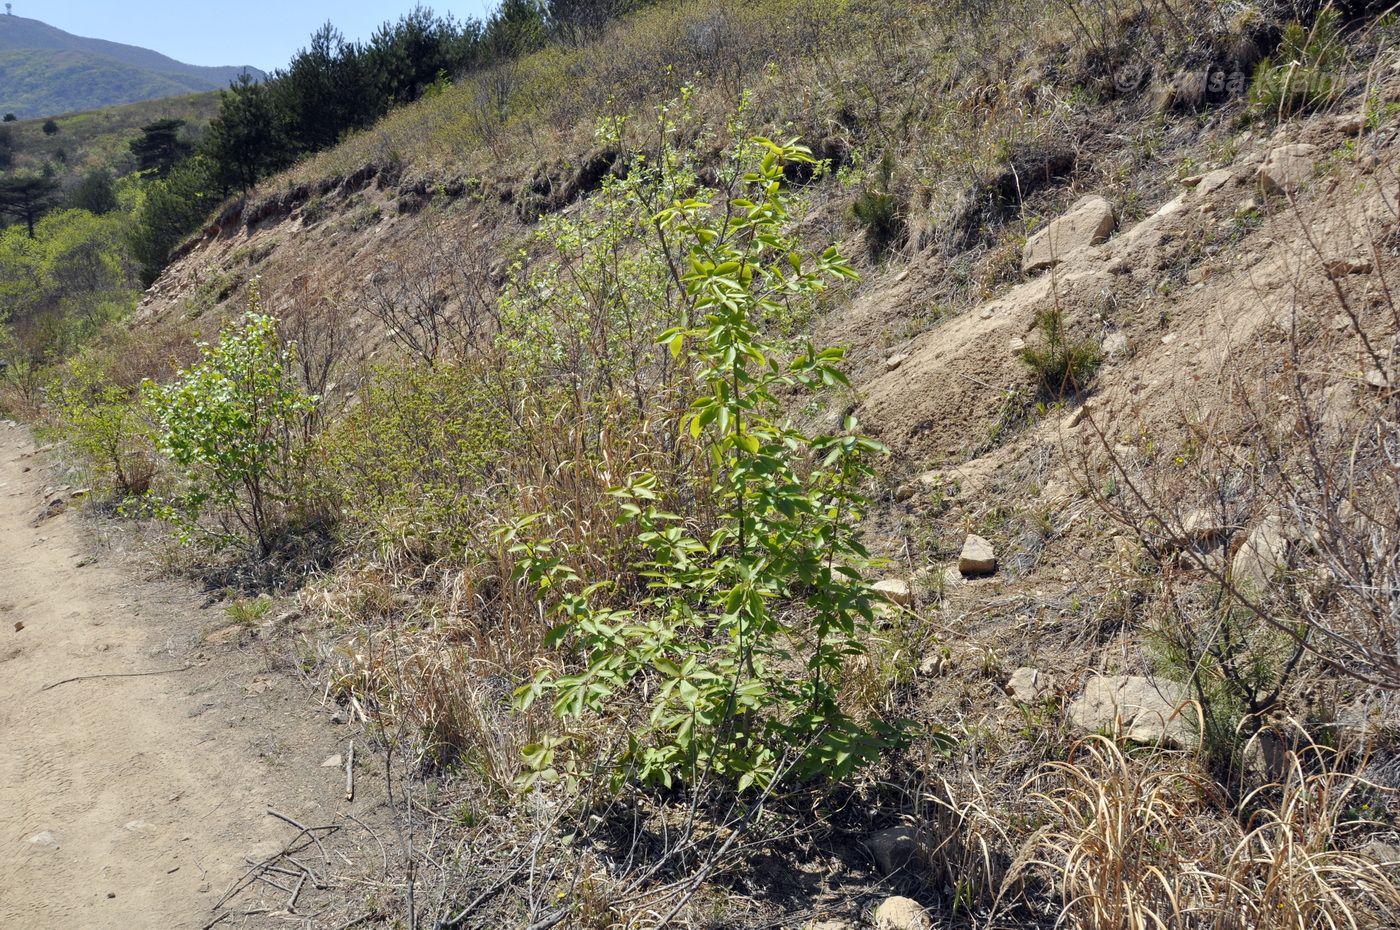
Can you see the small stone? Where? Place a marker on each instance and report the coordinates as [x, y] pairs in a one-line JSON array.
[[1028, 685], [1264, 552], [138, 826], [1349, 124], [1377, 378], [1342, 267], [934, 665], [46, 839], [111, 895], [1214, 181], [1115, 345], [977, 557], [898, 913], [1079, 414], [337, 718], [1169, 338], [893, 848], [333, 762], [895, 591], [905, 492], [1201, 526], [894, 361]]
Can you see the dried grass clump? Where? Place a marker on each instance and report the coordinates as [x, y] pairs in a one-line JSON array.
[[1142, 844]]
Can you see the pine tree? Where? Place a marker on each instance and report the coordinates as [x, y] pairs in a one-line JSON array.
[[27, 198]]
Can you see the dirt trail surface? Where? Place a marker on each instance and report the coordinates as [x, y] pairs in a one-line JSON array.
[[135, 801]]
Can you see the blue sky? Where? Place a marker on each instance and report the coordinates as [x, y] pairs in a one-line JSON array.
[[261, 33]]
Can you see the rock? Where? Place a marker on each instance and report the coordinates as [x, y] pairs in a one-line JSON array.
[[1089, 222], [978, 557], [1287, 168], [337, 717], [45, 839], [1079, 414], [1201, 526], [894, 361], [905, 492], [934, 665], [1115, 345], [1264, 552], [897, 913], [1142, 710], [1342, 267], [895, 591], [1350, 124], [333, 762], [893, 848], [1381, 852], [1214, 181], [1028, 685]]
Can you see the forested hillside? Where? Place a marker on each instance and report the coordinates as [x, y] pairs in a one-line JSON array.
[[755, 463], [45, 71]]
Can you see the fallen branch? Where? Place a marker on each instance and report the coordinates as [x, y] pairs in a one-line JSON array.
[[164, 671]]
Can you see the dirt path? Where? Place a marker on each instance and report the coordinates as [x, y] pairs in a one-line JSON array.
[[130, 802]]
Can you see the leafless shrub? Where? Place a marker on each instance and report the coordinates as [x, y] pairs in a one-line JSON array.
[[438, 305]]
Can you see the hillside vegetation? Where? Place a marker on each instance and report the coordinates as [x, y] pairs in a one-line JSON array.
[[750, 463], [45, 71]]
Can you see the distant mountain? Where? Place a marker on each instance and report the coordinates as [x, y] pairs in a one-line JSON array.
[[45, 71]]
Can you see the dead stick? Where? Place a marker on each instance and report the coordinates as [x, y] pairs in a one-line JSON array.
[[304, 829], [163, 671], [350, 773], [296, 893]]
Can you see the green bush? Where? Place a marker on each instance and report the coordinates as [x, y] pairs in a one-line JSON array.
[[414, 458], [730, 665], [881, 211], [103, 422], [1306, 72], [1061, 367], [233, 421]]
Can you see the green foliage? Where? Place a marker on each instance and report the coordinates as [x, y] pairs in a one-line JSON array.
[[1060, 366], [881, 211], [246, 139], [50, 127], [102, 421], [27, 197], [1307, 70], [411, 460], [160, 147], [171, 210], [233, 421], [70, 278], [735, 653], [95, 193]]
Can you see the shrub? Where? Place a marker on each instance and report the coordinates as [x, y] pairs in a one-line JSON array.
[[415, 458], [103, 423], [1307, 71], [1060, 367], [738, 646], [232, 421], [881, 211]]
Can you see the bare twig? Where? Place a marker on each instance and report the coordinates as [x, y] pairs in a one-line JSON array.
[[163, 671]]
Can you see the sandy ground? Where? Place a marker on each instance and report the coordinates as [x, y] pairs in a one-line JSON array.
[[136, 801]]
